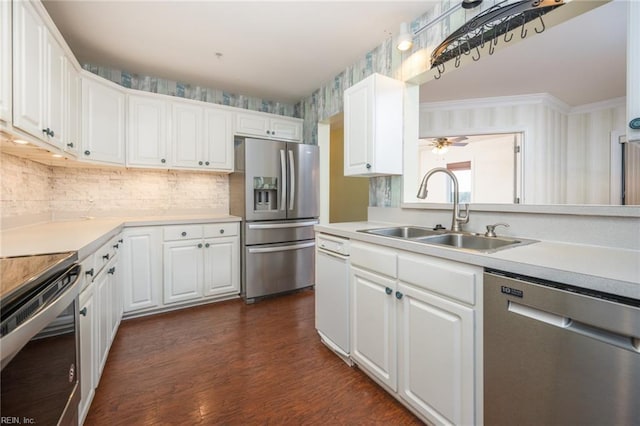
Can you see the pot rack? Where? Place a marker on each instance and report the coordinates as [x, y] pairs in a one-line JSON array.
[[487, 27]]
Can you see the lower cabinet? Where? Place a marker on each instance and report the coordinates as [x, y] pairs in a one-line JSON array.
[[87, 350], [165, 266], [416, 330], [201, 261]]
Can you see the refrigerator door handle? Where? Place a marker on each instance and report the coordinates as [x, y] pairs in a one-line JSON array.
[[282, 225], [283, 182], [292, 183], [282, 248]]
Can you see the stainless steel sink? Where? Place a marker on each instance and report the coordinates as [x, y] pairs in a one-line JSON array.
[[473, 242], [458, 240], [406, 232]]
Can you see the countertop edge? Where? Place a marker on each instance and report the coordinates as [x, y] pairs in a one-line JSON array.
[[523, 266]]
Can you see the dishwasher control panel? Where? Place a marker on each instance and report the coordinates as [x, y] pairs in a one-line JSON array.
[[333, 244]]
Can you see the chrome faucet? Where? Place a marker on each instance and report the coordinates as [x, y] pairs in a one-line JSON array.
[[457, 220]]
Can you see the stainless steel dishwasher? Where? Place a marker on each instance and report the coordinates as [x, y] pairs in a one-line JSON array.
[[559, 355]]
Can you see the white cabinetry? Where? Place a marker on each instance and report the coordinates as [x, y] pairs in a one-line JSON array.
[[38, 76], [373, 125], [5, 62], [218, 139], [103, 136], [142, 268], [268, 126], [88, 333], [147, 131], [417, 330], [73, 111], [200, 261]]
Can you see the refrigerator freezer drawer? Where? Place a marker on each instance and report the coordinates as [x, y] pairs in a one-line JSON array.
[[279, 231], [278, 268]]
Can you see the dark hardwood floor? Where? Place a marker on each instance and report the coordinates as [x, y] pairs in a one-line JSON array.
[[235, 364]]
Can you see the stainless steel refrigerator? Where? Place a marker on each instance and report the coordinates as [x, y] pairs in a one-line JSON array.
[[275, 189]]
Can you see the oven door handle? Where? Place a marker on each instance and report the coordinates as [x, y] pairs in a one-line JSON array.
[[14, 341], [281, 248]]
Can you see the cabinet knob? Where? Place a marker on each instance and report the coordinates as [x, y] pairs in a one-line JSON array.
[[200, 245], [89, 272], [399, 295], [163, 161], [635, 123], [388, 290], [70, 144], [120, 240], [207, 245], [200, 163], [106, 256], [51, 133], [222, 231], [45, 131], [115, 246], [184, 234], [368, 166], [83, 312], [87, 152], [206, 163], [111, 270], [268, 132]]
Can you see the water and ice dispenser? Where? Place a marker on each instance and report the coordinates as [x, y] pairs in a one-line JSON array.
[[265, 193]]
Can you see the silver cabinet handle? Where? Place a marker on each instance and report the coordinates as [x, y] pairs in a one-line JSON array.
[[281, 248]]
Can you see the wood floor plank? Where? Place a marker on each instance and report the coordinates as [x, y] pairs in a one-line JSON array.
[[235, 364]]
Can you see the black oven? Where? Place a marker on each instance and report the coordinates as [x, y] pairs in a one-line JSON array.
[[39, 339]]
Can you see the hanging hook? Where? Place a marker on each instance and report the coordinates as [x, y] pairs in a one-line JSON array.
[[440, 71], [506, 32], [523, 30], [492, 46], [543, 26], [478, 52]]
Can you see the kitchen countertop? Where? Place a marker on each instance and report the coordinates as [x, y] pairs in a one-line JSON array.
[[606, 269], [85, 236]]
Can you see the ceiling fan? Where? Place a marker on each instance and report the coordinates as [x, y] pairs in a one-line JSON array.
[[441, 145]]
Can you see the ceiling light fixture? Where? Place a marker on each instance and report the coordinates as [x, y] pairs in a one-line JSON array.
[[405, 40], [440, 150]]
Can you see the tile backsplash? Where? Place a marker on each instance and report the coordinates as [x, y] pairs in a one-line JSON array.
[[31, 191]]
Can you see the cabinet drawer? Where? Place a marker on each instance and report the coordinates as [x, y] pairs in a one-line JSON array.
[[182, 232], [452, 279], [374, 258], [220, 230], [105, 253], [87, 272]]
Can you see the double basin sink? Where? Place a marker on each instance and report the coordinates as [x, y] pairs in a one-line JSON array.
[[458, 240]]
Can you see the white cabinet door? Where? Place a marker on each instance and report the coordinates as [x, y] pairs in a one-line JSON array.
[[186, 135], [286, 129], [73, 143], [141, 260], [147, 132], [29, 69], [373, 127], [218, 139], [373, 325], [436, 356], [103, 321], [115, 286], [55, 91], [268, 126], [87, 350], [103, 136], [221, 266], [183, 270], [6, 101]]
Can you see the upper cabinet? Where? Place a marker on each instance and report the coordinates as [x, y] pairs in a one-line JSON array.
[[5, 61], [633, 71], [147, 132], [373, 127], [38, 61], [218, 138], [269, 126], [103, 137], [73, 111]]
